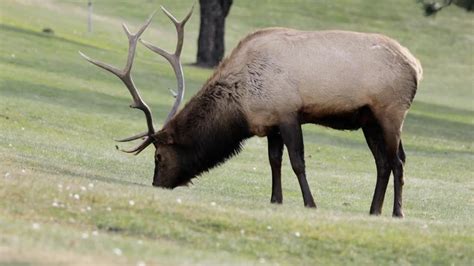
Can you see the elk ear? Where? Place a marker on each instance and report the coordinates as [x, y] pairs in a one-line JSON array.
[[164, 137]]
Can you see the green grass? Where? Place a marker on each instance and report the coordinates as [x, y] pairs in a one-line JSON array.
[[59, 116]]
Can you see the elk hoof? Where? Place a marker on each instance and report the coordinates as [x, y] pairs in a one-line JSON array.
[[398, 214], [375, 213], [276, 200]]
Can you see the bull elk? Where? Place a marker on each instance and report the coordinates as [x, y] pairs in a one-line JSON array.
[[274, 81]]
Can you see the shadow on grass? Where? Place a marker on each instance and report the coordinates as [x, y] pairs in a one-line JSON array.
[[54, 37], [442, 109], [85, 101], [432, 127], [55, 169]]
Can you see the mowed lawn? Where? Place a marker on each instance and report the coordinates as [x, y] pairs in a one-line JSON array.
[[67, 196]]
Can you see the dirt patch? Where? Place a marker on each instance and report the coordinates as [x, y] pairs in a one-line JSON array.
[[28, 256]]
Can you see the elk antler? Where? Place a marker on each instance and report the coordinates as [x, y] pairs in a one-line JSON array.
[[125, 76], [174, 58]]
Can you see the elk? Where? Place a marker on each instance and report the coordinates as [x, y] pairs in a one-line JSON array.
[[274, 81]]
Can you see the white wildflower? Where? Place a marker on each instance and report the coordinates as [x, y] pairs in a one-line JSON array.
[[178, 200], [269, 227], [117, 251], [83, 188], [109, 209], [213, 203], [95, 233], [91, 185], [131, 202], [77, 197], [297, 234], [88, 208], [242, 231], [36, 226], [85, 235]]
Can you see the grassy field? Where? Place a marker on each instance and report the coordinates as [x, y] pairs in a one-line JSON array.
[[68, 197]]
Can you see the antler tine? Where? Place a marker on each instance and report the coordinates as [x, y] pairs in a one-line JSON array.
[[159, 51], [105, 66], [137, 136], [174, 59], [132, 43], [125, 76], [179, 27], [140, 147]]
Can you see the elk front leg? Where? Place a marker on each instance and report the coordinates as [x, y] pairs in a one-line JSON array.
[[293, 139], [275, 153]]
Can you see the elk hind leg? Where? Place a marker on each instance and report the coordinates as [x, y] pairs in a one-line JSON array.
[[392, 127], [374, 137], [401, 152], [397, 168]]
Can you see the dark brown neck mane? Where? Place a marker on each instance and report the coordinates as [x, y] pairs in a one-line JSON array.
[[210, 129]]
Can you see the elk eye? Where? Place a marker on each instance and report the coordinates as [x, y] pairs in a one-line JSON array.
[[158, 157]]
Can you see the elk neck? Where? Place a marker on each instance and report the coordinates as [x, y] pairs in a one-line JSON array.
[[210, 128]]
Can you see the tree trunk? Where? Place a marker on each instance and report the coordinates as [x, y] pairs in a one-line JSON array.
[[211, 31], [431, 8]]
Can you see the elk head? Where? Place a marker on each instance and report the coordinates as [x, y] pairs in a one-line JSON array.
[[167, 171]]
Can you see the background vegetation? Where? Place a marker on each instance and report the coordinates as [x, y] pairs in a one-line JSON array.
[[68, 197]]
